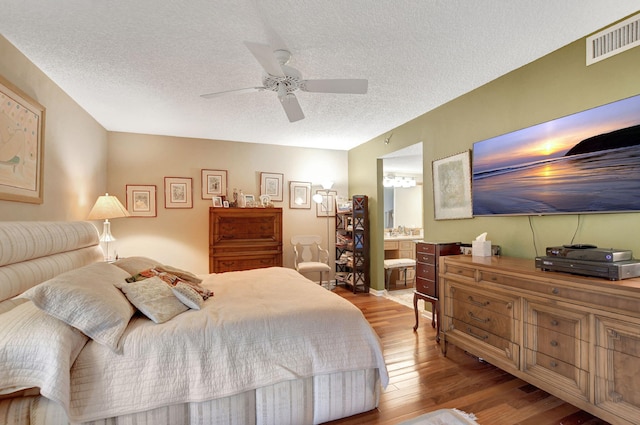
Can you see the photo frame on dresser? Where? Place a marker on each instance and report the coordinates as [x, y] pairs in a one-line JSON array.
[[178, 192], [141, 200], [22, 154], [271, 184]]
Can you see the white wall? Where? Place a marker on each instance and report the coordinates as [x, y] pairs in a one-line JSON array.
[[179, 237]]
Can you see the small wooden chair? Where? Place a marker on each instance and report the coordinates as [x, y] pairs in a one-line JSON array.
[[309, 256], [402, 264]]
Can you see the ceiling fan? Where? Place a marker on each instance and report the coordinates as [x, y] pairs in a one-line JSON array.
[[285, 80]]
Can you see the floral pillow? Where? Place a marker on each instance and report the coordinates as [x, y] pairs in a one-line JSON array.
[[154, 298]]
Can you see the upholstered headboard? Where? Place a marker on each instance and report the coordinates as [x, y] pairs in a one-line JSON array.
[[34, 251]]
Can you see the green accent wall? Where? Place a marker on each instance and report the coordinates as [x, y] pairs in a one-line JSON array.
[[553, 86]]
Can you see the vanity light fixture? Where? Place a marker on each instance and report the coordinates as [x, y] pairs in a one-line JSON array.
[[397, 181]]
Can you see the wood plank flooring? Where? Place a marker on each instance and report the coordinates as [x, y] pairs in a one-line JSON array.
[[422, 380]]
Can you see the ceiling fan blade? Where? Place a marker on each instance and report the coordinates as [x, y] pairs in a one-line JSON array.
[[264, 54], [336, 86], [223, 93], [292, 107]]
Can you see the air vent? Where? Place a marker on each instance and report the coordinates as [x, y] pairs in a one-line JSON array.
[[613, 40]]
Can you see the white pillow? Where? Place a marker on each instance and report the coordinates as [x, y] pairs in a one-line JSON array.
[[87, 299], [37, 350], [134, 265], [154, 298], [188, 296]]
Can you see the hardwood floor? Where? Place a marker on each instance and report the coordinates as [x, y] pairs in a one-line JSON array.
[[422, 380]]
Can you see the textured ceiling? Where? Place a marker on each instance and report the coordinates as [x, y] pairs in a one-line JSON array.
[[140, 66]]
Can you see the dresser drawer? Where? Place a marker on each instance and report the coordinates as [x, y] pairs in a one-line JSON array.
[[458, 270], [222, 264], [425, 248], [481, 334], [390, 245], [407, 246], [566, 376], [557, 345], [427, 287], [482, 301], [425, 258], [483, 318], [426, 271]]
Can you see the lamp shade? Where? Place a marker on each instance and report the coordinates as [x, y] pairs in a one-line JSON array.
[[107, 207]]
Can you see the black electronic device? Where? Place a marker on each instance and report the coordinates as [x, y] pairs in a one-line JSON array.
[[589, 253], [612, 270]]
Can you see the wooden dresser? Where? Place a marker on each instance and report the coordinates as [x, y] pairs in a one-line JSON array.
[[575, 337], [244, 238], [427, 260]]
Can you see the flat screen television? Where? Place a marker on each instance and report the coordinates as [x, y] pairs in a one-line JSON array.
[[588, 162]]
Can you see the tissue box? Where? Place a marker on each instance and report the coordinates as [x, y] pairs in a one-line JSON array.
[[481, 248]]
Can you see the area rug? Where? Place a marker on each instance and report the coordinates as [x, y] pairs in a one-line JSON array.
[[443, 417]]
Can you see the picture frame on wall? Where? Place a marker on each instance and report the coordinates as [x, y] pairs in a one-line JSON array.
[[452, 187], [327, 207], [271, 184], [299, 195], [214, 183], [178, 192], [22, 155], [141, 200]]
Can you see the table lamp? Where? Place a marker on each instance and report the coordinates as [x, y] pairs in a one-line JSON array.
[[107, 207]]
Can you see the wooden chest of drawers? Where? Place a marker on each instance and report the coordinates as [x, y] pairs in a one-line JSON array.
[[244, 238], [575, 337], [427, 259]]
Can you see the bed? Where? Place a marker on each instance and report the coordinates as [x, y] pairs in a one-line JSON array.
[[78, 346]]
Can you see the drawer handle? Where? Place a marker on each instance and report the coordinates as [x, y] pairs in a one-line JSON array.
[[553, 364], [478, 319], [475, 335], [554, 343], [555, 291], [478, 303], [554, 322]]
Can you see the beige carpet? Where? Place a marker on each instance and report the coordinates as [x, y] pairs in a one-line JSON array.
[[443, 417], [405, 297]]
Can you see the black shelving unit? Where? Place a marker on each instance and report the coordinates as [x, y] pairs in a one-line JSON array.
[[352, 245]]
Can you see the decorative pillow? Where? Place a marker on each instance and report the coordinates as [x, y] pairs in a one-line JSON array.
[[87, 299], [169, 279], [154, 298], [188, 296], [134, 265], [182, 274]]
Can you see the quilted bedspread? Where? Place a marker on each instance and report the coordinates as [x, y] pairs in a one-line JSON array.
[[261, 327]]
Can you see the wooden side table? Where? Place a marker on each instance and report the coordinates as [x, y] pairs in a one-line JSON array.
[[427, 258]]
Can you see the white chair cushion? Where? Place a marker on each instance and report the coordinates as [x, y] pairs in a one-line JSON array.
[[313, 266], [396, 263]]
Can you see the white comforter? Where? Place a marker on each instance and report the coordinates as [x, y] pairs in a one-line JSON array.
[[261, 327]]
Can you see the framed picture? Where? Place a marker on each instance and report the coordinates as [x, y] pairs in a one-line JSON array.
[[22, 145], [141, 200], [452, 187], [225, 204], [217, 201], [214, 183], [271, 184], [178, 192], [249, 200], [326, 208], [300, 195]]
